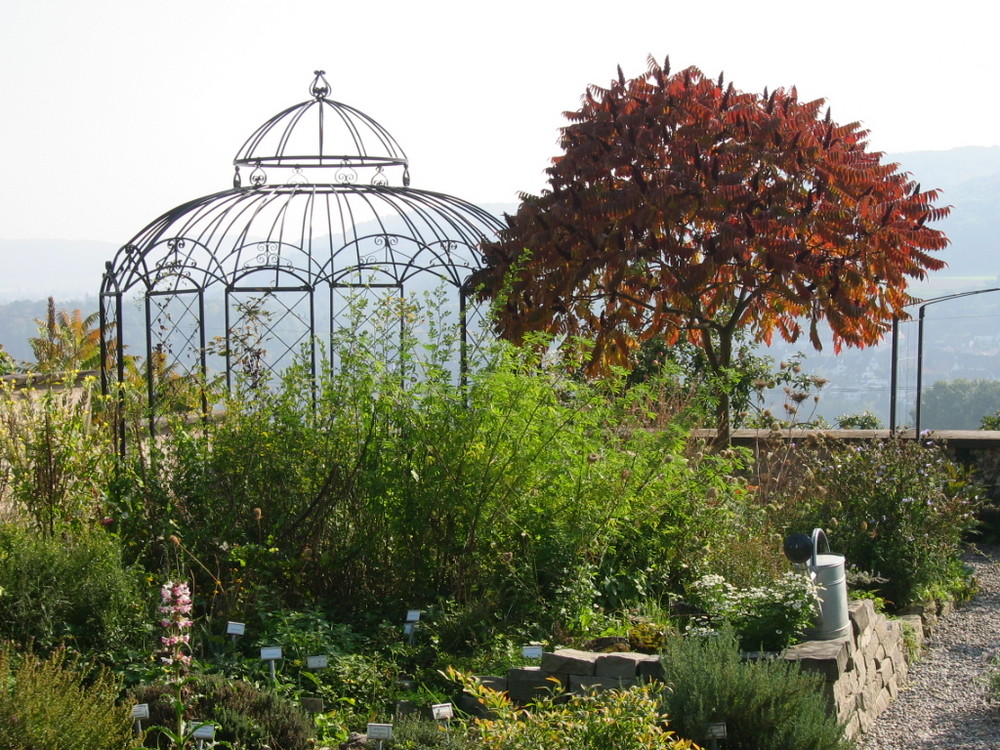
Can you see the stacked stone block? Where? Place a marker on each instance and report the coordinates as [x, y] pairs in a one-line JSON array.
[[573, 671], [863, 671]]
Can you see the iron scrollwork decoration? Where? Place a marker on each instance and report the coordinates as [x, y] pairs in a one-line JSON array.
[[172, 265], [320, 88], [347, 174], [258, 178], [268, 255]]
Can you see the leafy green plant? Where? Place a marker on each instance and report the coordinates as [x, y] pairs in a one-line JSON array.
[[523, 497], [767, 703], [244, 714], [58, 702], [606, 720], [416, 733], [73, 589], [863, 421]]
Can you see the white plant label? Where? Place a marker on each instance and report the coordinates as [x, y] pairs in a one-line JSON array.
[[204, 731], [316, 662], [716, 731], [531, 652], [270, 653], [140, 711], [236, 628], [380, 731], [412, 615], [442, 711]]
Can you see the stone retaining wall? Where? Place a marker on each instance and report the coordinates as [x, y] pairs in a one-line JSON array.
[[863, 671]]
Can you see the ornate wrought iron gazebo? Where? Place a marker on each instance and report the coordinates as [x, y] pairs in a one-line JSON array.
[[320, 209]]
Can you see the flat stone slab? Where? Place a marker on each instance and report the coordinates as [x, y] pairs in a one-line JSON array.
[[619, 665], [861, 612], [652, 669], [829, 658], [493, 682], [570, 661], [581, 684]]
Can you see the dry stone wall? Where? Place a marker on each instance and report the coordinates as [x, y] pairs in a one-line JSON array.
[[865, 670]]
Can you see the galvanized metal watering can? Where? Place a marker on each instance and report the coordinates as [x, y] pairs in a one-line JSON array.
[[827, 572]]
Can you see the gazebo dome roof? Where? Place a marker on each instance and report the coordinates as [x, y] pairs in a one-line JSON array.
[[322, 133]]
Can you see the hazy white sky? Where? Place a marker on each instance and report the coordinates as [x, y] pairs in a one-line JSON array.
[[114, 112]]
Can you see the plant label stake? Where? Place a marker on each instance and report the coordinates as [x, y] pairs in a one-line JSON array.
[[531, 651], [204, 731], [714, 733], [270, 654], [410, 625], [443, 712], [235, 629], [140, 711], [316, 662], [379, 732]]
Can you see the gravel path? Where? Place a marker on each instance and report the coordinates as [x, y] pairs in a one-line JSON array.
[[946, 705]]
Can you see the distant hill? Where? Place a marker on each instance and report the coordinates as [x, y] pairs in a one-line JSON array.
[[969, 179], [38, 269]]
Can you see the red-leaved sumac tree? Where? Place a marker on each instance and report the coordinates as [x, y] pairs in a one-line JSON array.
[[684, 208]]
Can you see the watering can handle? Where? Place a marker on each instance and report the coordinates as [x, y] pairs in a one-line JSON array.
[[817, 533]]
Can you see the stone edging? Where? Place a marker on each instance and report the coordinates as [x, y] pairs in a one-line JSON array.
[[863, 671]]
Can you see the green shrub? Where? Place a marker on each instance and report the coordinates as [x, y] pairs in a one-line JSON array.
[[245, 714], [54, 458], [304, 633], [525, 497], [764, 704], [53, 703], [415, 733], [72, 588], [898, 509]]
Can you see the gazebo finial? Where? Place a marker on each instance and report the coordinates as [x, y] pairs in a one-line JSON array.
[[320, 88]]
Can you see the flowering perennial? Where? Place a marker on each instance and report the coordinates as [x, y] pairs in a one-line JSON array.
[[175, 610], [769, 617]]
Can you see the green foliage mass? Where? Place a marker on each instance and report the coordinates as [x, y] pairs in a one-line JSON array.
[[56, 703], [525, 495], [765, 618], [764, 704], [630, 719], [246, 715], [55, 458], [73, 589], [898, 509]]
